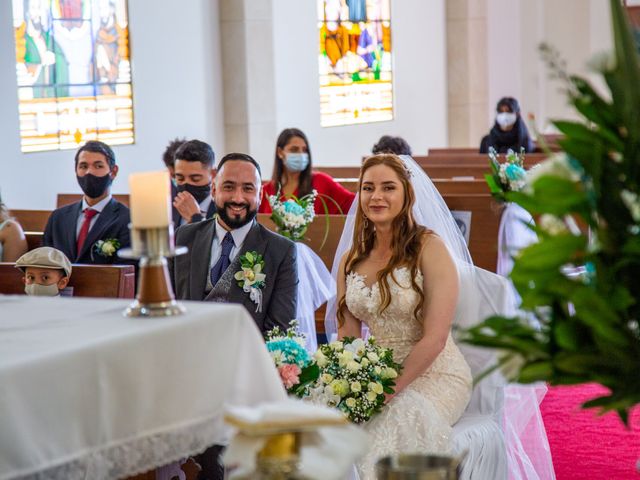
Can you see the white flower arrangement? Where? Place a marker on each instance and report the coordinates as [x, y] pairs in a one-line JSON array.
[[293, 216]]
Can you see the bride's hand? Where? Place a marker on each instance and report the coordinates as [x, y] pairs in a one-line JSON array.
[[388, 397]]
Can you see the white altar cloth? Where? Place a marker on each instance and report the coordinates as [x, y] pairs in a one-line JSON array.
[[88, 393]]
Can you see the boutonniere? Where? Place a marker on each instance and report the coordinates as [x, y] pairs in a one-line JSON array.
[[251, 278], [105, 248]]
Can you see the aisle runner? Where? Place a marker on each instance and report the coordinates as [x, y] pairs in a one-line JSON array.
[[584, 446]]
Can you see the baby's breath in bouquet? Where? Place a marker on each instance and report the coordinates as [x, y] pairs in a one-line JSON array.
[[296, 367], [354, 376], [507, 176], [293, 216]]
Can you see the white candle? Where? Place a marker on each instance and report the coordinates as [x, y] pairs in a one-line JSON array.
[[150, 199]]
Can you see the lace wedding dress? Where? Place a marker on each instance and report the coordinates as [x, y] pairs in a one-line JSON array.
[[418, 419]]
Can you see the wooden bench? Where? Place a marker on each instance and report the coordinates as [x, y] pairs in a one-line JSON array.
[[31, 220], [444, 171], [69, 198], [34, 239], [530, 159], [445, 186], [315, 235], [113, 281]]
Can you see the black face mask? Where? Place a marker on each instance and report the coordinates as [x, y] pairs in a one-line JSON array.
[[92, 186], [236, 221], [199, 192]]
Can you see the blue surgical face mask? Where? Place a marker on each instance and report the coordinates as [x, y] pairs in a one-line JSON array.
[[296, 162]]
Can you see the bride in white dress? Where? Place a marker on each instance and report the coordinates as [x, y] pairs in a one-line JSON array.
[[400, 280]]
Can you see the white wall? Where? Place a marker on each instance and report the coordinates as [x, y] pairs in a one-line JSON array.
[[419, 69], [576, 28], [177, 91]]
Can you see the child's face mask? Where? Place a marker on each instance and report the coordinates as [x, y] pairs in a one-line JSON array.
[[44, 282], [42, 290]]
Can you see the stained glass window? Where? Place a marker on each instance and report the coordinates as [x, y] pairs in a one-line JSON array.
[[74, 73], [355, 61]]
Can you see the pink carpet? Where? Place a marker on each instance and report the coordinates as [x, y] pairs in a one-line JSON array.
[[585, 446]]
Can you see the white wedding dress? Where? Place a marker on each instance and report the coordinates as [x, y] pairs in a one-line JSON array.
[[418, 419]]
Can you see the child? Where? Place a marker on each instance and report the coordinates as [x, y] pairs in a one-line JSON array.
[[46, 271]]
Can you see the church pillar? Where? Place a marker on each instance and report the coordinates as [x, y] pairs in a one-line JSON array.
[[248, 77], [467, 71]]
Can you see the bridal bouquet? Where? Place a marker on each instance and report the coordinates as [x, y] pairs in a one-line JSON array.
[[293, 216], [296, 367], [354, 376], [507, 176]]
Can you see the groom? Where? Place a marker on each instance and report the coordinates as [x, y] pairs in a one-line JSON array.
[[217, 245]]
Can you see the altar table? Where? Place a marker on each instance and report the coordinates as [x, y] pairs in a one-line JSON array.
[[88, 393]]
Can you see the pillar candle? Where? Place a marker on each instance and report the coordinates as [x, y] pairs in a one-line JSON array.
[[150, 199]]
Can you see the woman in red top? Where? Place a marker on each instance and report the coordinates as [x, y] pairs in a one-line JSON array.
[[292, 172]]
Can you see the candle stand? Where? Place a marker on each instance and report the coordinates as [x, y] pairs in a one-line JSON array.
[[155, 296]]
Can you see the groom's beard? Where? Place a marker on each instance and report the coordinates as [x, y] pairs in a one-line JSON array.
[[237, 220]]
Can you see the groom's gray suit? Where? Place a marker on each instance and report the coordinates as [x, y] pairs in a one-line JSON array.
[[279, 295]]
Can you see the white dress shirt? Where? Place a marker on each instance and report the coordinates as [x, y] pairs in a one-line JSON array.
[[238, 235], [98, 207]]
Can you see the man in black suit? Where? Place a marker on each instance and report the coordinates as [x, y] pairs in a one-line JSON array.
[[93, 229], [194, 173], [216, 246]]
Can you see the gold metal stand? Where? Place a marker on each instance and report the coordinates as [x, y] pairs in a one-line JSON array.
[[155, 296]]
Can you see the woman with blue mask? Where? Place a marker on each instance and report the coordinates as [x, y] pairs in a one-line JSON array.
[[509, 131], [293, 175]]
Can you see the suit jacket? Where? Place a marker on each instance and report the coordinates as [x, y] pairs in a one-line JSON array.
[[113, 222], [279, 295], [175, 215]]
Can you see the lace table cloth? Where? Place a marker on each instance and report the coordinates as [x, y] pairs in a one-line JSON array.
[[88, 393]]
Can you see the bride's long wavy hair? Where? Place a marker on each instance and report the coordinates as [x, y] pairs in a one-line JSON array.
[[406, 243]]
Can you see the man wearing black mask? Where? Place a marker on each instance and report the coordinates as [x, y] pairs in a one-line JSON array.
[[194, 171], [95, 228]]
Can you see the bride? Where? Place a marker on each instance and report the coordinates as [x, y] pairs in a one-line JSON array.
[[399, 279]]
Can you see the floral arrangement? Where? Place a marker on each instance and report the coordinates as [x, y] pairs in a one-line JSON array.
[[293, 216], [296, 367], [107, 247], [507, 176], [581, 284], [354, 375], [251, 278]]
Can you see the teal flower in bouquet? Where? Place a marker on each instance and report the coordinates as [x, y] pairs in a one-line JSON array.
[[580, 281]]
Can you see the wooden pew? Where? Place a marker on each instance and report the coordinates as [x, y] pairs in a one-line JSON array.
[[444, 186], [453, 150], [485, 221], [530, 159], [34, 239], [69, 198], [435, 171], [315, 235], [31, 220], [114, 281]]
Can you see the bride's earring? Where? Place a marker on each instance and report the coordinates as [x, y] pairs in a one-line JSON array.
[[366, 223]]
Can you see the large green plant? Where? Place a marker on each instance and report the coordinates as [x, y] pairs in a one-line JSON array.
[[584, 288]]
